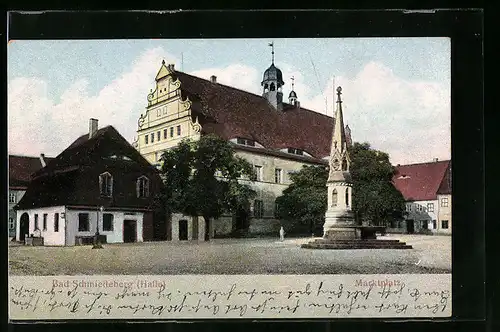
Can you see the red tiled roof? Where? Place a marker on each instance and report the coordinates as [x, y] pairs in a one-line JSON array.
[[420, 182], [445, 187], [21, 168], [229, 113]]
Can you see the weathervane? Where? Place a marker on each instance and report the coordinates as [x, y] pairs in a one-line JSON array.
[[272, 51], [339, 92], [293, 78]]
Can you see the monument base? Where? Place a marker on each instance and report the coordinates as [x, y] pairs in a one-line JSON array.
[[354, 237]]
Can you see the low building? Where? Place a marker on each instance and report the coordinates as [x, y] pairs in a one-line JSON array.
[[426, 188], [100, 183], [20, 170]]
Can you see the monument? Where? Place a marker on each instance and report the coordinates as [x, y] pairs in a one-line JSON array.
[[341, 230]]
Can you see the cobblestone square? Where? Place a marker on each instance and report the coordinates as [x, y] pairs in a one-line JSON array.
[[430, 254]]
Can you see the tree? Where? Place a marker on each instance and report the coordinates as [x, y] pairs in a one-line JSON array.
[[202, 178], [303, 203], [375, 199]]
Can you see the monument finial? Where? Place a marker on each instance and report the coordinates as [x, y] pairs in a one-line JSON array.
[[163, 62]]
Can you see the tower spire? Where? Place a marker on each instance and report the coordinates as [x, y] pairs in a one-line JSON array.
[[272, 51], [339, 158]]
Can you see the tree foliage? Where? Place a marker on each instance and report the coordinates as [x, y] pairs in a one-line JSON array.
[[201, 178], [375, 199]]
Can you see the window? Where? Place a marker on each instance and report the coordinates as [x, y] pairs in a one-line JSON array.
[[258, 172], [444, 202], [171, 132], [434, 224], [408, 207], [146, 137], [276, 208], [152, 137], [142, 187], [56, 222], [45, 221], [158, 136], [11, 223], [164, 134], [334, 197], [430, 207], [258, 208], [107, 222], [295, 151], [36, 221], [165, 108], [158, 112], [244, 141], [12, 197], [444, 224], [83, 222], [424, 224], [346, 196], [106, 184], [278, 175], [419, 208], [179, 130]]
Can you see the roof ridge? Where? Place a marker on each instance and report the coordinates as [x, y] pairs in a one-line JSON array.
[[423, 163], [24, 156], [248, 92]]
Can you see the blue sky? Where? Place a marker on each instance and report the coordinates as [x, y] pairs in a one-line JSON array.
[[396, 90]]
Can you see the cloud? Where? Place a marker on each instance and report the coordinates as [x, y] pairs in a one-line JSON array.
[[408, 119], [37, 124]]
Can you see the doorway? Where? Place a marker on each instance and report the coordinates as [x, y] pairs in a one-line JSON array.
[[129, 231], [183, 229], [410, 227], [24, 226]]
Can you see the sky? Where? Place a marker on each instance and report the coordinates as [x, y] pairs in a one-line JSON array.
[[395, 91]]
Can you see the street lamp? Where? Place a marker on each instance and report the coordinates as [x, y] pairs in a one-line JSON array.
[[97, 241]]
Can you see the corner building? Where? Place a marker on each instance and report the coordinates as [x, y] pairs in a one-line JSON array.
[[277, 137]]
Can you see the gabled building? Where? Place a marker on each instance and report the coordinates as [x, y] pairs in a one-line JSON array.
[[426, 188], [20, 170], [276, 136], [100, 183]]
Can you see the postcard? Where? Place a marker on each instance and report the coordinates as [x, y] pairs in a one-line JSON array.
[[229, 178]]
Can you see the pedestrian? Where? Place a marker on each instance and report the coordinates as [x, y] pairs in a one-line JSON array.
[[282, 234]]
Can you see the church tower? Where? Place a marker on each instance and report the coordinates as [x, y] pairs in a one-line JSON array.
[[272, 83], [339, 217]]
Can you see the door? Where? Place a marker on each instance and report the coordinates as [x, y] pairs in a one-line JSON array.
[[129, 231], [24, 226], [183, 229], [410, 226]]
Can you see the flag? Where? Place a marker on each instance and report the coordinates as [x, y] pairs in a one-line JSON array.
[[271, 44]]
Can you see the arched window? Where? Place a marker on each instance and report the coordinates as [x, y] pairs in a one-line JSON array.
[[266, 87], [142, 187], [344, 165], [346, 196], [106, 184], [272, 87], [334, 197]]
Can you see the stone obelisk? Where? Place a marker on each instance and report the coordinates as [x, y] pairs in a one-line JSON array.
[[339, 217]]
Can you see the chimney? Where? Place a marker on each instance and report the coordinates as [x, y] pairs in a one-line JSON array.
[[171, 66], [213, 79], [42, 160], [92, 127], [436, 160]]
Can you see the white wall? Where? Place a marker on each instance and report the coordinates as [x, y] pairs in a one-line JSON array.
[[176, 217], [114, 236], [51, 237]]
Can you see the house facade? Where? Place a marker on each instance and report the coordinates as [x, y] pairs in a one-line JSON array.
[[277, 137], [426, 188], [99, 185], [20, 170]]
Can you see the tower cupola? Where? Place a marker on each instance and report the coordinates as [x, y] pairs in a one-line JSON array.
[[272, 83]]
